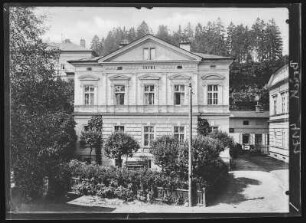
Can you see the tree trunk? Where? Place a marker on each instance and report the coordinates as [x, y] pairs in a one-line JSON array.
[[90, 154], [119, 162]]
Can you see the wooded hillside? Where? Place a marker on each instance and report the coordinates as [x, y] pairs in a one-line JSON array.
[[257, 51]]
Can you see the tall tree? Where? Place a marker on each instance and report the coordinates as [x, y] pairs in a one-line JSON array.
[[274, 43], [163, 33], [42, 126], [143, 29], [92, 137], [96, 45]]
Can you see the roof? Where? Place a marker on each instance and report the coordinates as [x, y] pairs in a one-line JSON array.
[[198, 56], [281, 75], [68, 46], [249, 114], [210, 56]]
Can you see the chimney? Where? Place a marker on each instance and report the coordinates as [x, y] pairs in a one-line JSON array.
[[185, 45], [123, 43], [82, 43]]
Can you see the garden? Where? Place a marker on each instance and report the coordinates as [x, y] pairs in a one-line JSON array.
[[170, 185]]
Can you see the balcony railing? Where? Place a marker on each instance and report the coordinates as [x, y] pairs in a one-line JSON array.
[[117, 109]]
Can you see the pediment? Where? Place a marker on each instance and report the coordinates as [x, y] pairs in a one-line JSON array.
[[212, 77], [119, 77], [87, 77], [163, 52], [149, 77], [179, 77]]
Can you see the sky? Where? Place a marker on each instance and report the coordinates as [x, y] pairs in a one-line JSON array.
[[84, 22]]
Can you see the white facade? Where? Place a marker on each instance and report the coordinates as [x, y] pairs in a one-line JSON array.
[[279, 114], [143, 87], [250, 128], [69, 51]]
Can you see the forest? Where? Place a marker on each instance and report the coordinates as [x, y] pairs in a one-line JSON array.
[[256, 50]]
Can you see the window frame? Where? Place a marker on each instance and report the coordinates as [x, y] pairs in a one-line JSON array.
[[212, 94], [179, 133], [91, 94], [120, 126], [149, 93], [181, 93], [149, 133], [149, 53], [248, 135], [119, 93], [245, 122]]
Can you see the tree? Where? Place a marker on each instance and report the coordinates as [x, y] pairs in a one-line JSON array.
[[96, 46], [163, 33], [119, 144], [203, 126], [165, 150], [226, 140], [42, 126], [92, 137], [143, 29]]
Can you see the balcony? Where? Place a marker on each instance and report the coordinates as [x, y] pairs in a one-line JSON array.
[[149, 109]]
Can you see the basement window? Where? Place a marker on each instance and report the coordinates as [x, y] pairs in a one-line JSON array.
[[245, 122], [213, 66], [119, 68], [179, 67], [89, 68]]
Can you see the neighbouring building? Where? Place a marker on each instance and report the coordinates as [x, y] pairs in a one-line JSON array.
[[250, 128], [142, 89], [279, 114], [69, 51]]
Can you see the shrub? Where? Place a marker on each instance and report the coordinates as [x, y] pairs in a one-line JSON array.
[[119, 144], [165, 150], [205, 155], [226, 140], [109, 182]]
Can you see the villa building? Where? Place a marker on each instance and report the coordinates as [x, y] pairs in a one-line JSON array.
[[69, 51], [279, 114], [142, 89], [250, 128]]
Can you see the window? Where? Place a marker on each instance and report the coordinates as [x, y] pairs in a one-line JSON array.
[[86, 128], [89, 94], [231, 130], [152, 53], [212, 129], [89, 68], [258, 139], [62, 66], [119, 128], [179, 67], [148, 135], [179, 94], [149, 53], [212, 94], [149, 94], [179, 133], [146, 54], [275, 105], [119, 68], [245, 138], [283, 95], [119, 94], [245, 122]]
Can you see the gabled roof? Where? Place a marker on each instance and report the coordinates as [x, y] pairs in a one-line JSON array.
[[196, 56], [68, 46], [149, 37], [211, 56], [281, 75], [249, 114]]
